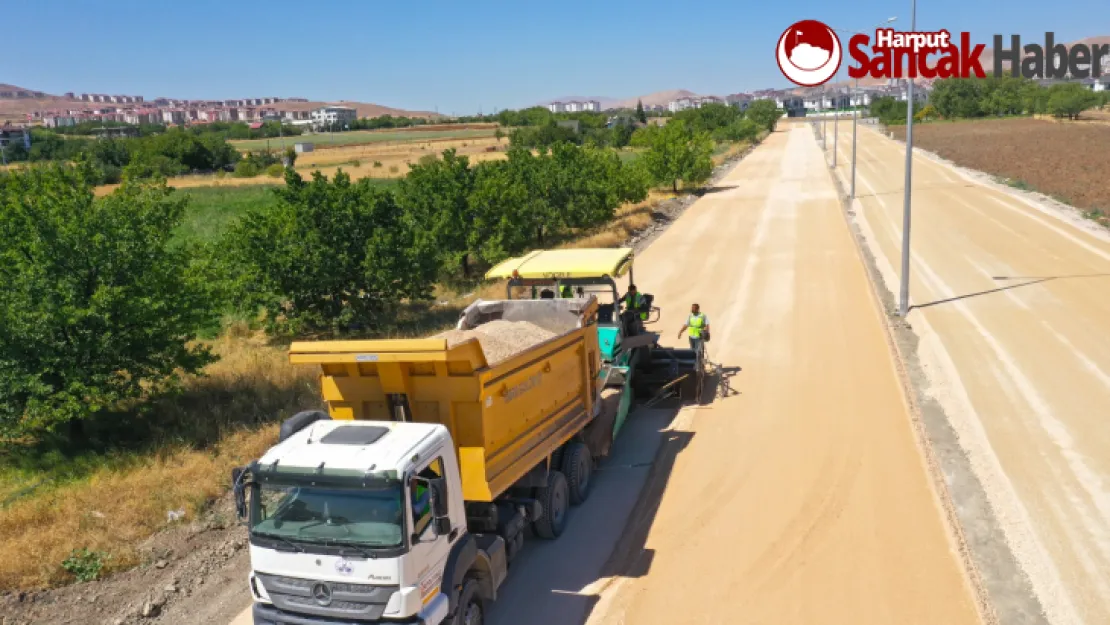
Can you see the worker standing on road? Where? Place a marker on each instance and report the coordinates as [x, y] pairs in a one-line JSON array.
[[566, 292], [698, 324]]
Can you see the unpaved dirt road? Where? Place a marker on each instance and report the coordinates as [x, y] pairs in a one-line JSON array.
[[1011, 305], [804, 498]]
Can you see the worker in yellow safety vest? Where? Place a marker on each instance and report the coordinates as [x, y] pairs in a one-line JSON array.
[[698, 325], [633, 300], [566, 292]]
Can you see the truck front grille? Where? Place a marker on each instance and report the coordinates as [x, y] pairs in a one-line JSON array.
[[336, 599]]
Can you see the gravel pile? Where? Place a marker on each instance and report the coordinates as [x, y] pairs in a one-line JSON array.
[[499, 339]]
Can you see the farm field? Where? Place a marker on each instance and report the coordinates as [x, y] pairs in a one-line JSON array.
[[1060, 159], [358, 161], [212, 209], [356, 137]]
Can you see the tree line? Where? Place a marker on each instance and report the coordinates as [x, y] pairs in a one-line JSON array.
[[101, 305], [969, 98], [539, 127], [170, 153]]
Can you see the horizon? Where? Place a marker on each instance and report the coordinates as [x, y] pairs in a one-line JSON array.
[[627, 51]]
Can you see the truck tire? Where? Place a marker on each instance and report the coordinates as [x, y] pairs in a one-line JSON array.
[[578, 466], [554, 498], [300, 421], [470, 610]]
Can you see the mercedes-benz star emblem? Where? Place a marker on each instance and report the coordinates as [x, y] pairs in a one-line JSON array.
[[322, 594]]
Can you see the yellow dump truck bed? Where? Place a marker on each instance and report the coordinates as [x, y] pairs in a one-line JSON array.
[[505, 417]]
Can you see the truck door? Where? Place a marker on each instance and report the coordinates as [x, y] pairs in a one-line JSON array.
[[429, 550]]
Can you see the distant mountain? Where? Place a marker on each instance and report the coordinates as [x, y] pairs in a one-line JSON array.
[[16, 109]]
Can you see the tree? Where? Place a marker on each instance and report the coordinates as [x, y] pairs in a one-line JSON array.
[[676, 153], [640, 114], [436, 194], [709, 117], [97, 304], [764, 113], [509, 211], [958, 97], [498, 134], [1069, 100], [740, 130], [329, 256]]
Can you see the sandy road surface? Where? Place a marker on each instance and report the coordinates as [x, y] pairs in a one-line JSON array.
[[804, 499], [1013, 311]]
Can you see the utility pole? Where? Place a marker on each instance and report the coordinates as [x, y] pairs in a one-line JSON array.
[[836, 122], [904, 289], [824, 125]]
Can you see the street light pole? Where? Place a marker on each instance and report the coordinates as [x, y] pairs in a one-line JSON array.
[[855, 118], [904, 290], [836, 122]]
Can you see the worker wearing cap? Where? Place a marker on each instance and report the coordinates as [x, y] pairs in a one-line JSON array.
[[566, 292], [697, 324], [633, 300]]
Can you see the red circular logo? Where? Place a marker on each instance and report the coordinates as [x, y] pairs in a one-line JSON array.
[[809, 53]]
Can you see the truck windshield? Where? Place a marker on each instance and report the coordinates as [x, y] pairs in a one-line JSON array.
[[366, 517]]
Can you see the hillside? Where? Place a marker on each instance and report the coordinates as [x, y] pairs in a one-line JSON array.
[[17, 109]]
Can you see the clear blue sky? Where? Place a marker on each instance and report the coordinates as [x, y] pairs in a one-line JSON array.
[[459, 56]]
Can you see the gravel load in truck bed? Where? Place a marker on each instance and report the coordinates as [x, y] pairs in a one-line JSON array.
[[499, 339]]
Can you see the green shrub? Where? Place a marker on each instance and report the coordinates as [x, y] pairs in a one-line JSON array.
[[246, 169], [85, 565], [377, 163], [393, 169], [275, 171], [356, 163]]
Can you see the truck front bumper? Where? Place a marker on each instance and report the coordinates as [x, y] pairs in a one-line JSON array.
[[265, 614]]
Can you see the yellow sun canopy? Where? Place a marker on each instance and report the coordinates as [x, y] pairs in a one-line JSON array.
[[571, 263]]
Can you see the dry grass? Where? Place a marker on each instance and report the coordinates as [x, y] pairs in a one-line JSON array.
[[628, 220], [115, 508]]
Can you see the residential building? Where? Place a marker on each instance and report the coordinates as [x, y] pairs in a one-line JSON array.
[[334, 116], [10, 133], [593, 106], [58, 121], [557, 107], [680, 104], [740, 100], [173, 116]]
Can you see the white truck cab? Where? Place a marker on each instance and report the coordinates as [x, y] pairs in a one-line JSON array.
[[364, 521]]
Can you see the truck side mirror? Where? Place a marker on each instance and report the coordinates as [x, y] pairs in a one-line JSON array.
[[442, 525], [238, 488], [440, 505]]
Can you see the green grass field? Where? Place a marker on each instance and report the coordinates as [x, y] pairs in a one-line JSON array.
[[356, 137], [212, 209]]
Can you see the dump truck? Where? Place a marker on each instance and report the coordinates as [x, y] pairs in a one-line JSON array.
[[406, 501]]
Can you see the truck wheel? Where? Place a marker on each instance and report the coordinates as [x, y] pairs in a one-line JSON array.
[[554, 498], [578, 467], [469, 610]]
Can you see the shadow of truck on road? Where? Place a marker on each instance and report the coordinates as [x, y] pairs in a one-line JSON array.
[[560, 582]]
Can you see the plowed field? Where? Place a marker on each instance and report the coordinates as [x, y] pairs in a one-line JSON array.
[[1069, 161]]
